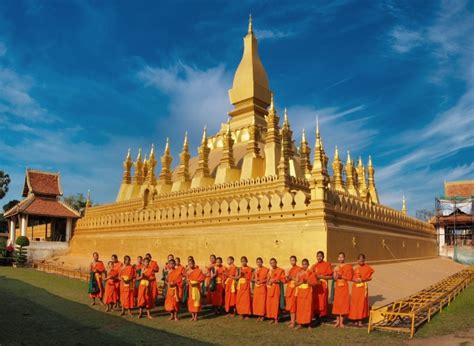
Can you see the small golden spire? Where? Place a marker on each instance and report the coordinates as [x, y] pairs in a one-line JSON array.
[[139, 156], [128, 157], [360, 164], [349, 161], [336, 153], [152, 151], [317, 126], [185, 143], [285, 117], [272, 104], [404, 205], [204, 136], [370, 161], [167, 145], [88, 199], [144, 159], [250, 24], [303, 136]]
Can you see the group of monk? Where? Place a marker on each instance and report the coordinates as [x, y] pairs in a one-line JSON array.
[[264, 292]]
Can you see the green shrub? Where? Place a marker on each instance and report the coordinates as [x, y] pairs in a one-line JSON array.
[[21, 253], [3, 246]]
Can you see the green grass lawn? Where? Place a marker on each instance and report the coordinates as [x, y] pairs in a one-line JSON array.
[[39, 308]]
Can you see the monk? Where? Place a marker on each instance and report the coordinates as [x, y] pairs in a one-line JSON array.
[[305, 279], [110, 294], [146, 297], [243, 300], [154, 285], [290, 298], [117, 267], [342, 274], [164, 273], [230, 275], [127, 276], [194, 278], [217, 295], [174, 279], [209, 274], [323, 272], [359, 309], [138, 271], [276, 277], [182, 269], [97, 269], [260, 276]]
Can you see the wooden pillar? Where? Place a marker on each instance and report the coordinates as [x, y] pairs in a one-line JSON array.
[[12, 235], [46, 231]]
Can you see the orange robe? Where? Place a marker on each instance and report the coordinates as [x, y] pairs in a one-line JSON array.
[[207, 282], [341, 291], [321, 289], [230, 293], [117, 266], [195, 279], [182, 269], [154, 284], [126, 289], [217, 297], [98, 269], [172, 293], [290, 298], [272, 305], [146, 298], [360, 293], [110, 294], [138, 271], [260, 292], [304, 297], [243, 301]]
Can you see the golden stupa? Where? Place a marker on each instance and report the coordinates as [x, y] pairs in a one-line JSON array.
[[250, 191]]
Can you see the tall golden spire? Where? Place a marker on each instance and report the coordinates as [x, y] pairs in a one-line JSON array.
[[283, 166], [203, 157], [151, 177], [350, 185], [252, 145], [227, 158], [287, 136], [138, 177], [337, 170], [361, 179], [404, 205], [145, 168], [183, 170], [371, 182], [165, 174], [127, 166], [250, 93], [319, 173], [305, 152]]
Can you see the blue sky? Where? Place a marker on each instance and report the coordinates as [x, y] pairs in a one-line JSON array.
[[82, 81]]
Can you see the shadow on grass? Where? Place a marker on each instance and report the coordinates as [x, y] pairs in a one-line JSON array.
[[31, 315]]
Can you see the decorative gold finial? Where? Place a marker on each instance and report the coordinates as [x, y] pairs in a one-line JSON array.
[[272, 104], [204, 135], [285, 117], [360, 164], [303, 136], [349, 161], [250, 24], [88, 200], [139, 156], [167, 145], [317, 125], [128, 157], [370, 161], [404, 205], [152, 150], [336, 153], [185, 143]]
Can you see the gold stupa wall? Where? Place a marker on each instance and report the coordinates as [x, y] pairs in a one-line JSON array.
[[250, 191]]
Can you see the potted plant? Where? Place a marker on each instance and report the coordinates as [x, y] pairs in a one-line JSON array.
[[21, 253]]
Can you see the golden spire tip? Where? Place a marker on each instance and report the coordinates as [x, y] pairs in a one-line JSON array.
[[250, 24]]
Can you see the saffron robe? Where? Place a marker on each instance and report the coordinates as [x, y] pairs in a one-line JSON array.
[[146, 298], [230, 293], [304, 296], [217, 296], [172, 293], [154, 284], [97, 270], [136, 283], [127, 298], [321, 288], [341, 291], [117, 266], [243, 301], [207, 282], [182, 269], [195, 278], [272, 305], [260, 291], [290, 290], [110, 294], [360, 293]]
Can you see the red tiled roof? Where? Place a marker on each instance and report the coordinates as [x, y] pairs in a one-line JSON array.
[[42, 183], [459, 188], [42, 206]]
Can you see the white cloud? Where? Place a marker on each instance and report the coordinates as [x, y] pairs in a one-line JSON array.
[[196, 97], [273, 34], [404, 40]]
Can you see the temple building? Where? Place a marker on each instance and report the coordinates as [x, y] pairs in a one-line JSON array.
[[251, 190], [41, 215]]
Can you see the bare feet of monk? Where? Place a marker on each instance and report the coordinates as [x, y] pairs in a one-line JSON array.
[[297, 327], [241, 317], [149, 316], [122, 313], [271, 321], [292, 325]]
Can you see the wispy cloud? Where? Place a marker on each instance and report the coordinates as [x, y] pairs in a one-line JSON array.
[[404, 40], [273, 34]]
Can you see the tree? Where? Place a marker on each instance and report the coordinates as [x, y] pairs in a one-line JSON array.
[[77, 201], [10, 204], [3, 221], [4, 182]]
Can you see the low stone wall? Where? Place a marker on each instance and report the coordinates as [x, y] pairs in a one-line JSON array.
[[42, 250]]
